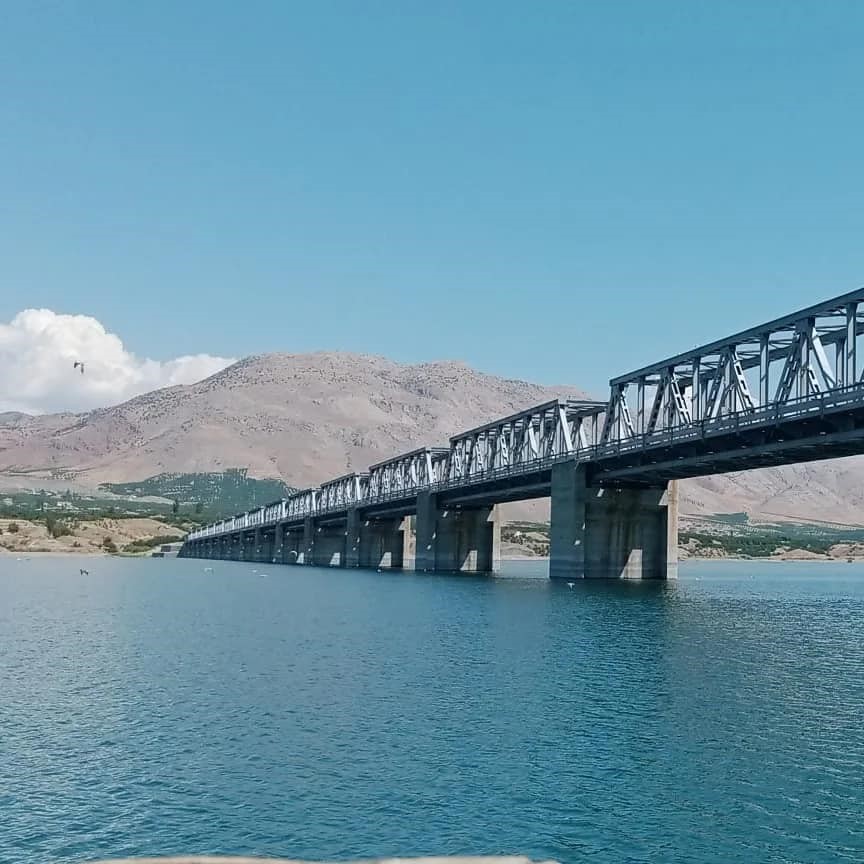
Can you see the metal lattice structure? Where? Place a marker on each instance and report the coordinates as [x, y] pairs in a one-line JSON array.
[[775, 368], [789, 390], [301, 504], [342, 493], [561, 428], [407, 473]]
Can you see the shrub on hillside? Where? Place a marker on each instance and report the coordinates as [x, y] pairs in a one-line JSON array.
[[109, 546], [149, 543], [56, 528], [13, 528]]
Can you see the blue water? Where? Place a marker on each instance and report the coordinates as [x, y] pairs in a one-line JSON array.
[[153, 707]]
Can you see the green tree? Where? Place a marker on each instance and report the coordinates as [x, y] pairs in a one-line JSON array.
[[56, 528], [199, 508], [175, 507]]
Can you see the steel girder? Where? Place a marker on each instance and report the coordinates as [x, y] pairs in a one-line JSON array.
[[770, 366], [406, 474], [342, 493], [275, 512], [256, 517], [775, 373], [301, 504], [555, 429]]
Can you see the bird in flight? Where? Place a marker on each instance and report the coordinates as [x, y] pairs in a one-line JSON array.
[[78, 365]]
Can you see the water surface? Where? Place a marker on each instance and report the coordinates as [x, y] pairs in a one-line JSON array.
[[158, 707]]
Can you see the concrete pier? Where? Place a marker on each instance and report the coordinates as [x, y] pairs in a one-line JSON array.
[[382, 543], [611, 533], [328, 544], [353, 542], [456, 539], [624, 531], [353, 536], [276, 547]]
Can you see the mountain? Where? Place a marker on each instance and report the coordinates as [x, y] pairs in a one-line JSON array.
[[306, 418], [301, 418], [12, 418]]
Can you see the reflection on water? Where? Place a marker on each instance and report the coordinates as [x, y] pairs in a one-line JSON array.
[[152, 707]]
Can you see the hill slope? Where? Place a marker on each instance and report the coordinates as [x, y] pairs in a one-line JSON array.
[[308, 418], [304, 418]]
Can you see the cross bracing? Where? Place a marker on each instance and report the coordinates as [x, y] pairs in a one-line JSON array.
[[788, 390]]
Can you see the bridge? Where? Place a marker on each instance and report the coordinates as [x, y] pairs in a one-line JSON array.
[[787, 391]]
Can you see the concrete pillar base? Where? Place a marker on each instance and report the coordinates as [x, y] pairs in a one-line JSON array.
[[382, 543], [350, 557], [277, 546], [450, 540], [598, 533], [328, 545]]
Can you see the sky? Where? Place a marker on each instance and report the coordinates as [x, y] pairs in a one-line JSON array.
[[557, 191]]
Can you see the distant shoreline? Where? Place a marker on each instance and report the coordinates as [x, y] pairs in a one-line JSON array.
[[22, 555]]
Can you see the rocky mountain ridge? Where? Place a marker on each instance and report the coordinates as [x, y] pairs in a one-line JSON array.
[[306, 418]]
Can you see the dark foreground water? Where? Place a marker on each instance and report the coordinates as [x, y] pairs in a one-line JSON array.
[[154, 707]]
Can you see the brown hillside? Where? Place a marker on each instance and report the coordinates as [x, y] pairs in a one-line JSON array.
[[310, 417]]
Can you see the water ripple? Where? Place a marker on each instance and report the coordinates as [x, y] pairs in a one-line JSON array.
[[153, 708]]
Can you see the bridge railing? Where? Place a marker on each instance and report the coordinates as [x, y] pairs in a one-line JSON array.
[[839, 399], [768, 374], [796, 357], [354, 490], [351, 490]]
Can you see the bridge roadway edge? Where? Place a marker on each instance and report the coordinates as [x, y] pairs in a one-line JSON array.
[[595, 532], [787, 391]]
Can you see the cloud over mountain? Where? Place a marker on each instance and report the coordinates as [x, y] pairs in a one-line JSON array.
[[38, 348]]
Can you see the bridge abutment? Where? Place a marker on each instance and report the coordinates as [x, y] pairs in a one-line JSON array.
[[609, 533]]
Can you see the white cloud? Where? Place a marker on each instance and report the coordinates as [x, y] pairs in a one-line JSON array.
[[38, 348]]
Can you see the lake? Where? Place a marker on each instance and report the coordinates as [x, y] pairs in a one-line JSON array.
[[158, 706]]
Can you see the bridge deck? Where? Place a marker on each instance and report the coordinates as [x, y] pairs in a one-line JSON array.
[[766, 396]]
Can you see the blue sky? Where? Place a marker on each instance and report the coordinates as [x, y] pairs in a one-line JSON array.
[[553, 191]]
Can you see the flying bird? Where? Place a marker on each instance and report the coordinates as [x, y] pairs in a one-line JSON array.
[[78, 364]]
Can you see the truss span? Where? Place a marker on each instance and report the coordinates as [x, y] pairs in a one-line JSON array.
[[787, 391]]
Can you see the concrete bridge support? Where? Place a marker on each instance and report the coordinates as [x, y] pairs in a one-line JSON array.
[[257, 546], [328, 545], [307, 542], [354, 529], [295, 544], [268, 542], [356, 542], [598, 533], [277, 544], [454, 540], [382, 543]]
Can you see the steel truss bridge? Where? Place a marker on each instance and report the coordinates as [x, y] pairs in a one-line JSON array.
[[787, 391]]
